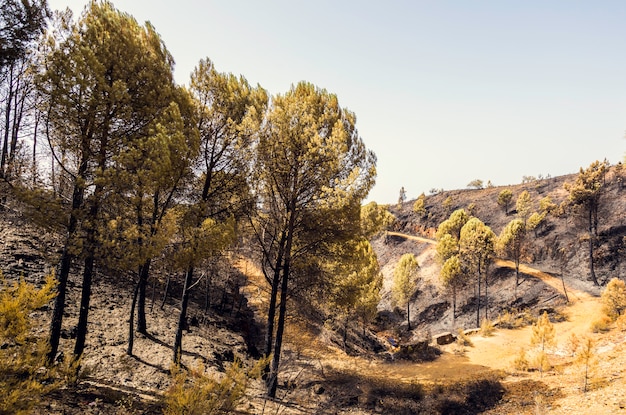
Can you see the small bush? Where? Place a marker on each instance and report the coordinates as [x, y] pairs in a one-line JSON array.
[[487, 328], [614, 298], [513, 319], [521, 362], [194, 393], [602, 325], [463, 339], [541, 362], [24, 379]]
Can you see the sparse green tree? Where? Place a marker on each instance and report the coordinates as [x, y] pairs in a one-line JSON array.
[[512, 245], [453, 224], [356, 284], [419, 207], [547, 205], [104, 84], [504, 199], [585, 193], [524, 206], [475, 184], [453, 278], [404, 283], [535, 222], [447, 204], [477, 248], [311, 174], [228, 112]]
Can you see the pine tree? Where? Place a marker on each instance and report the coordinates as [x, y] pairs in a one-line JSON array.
[[404, 283], [585, 193], [103, 86], [511, 244], [477, 248], [312, 171]]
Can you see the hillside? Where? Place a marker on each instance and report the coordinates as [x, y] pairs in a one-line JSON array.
[[318, 377]]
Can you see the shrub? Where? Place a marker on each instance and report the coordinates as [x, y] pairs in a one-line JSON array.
[[194, 393], [521, 362], [23, 375], [602, 325], [463, 339], [487, 328], [614, 298], [541, 362]]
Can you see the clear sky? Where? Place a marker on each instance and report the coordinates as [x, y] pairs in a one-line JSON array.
[[444, 91]]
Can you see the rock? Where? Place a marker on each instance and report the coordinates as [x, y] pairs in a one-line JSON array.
[[444, 338]]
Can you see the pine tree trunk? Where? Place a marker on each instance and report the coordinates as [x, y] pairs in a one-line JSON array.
[[182, 318], [131, 322], [592, 271], [144, 274], [478, 303], [83, 316], [165, 291], [408, 314], [56, 322], [272, 381]]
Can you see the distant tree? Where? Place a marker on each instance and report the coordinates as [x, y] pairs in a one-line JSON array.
[[401, 197], [453, 278], [614, 298], [524, 206], [547, 205], [535, 222], [453, 224], [447, 204], [471, 209], [511, 245], [475, 184], [404, 284], [419, 207], [504, 199], [356, 284], [585, 193], [477, 247]]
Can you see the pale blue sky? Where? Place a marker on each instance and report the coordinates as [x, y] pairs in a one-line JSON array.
[[445, 92]]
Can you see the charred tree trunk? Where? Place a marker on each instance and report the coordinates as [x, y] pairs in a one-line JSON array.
[[144, 274], [131, 322], [182, 318], [67, 257]]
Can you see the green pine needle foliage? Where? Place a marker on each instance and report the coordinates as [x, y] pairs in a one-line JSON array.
[[24, 378]]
